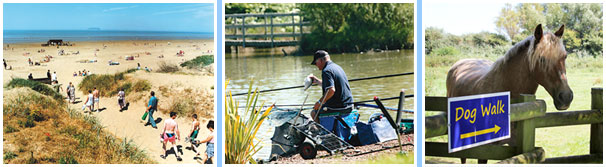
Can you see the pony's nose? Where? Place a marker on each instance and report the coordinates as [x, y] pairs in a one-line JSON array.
[[565, 97]]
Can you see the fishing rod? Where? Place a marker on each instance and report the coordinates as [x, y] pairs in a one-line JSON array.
[[351, 80], [355, 103]]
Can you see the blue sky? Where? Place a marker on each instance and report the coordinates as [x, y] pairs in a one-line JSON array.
[[117, 16], [462, 18]]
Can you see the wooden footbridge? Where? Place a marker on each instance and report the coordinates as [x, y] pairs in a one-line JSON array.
[[527, 115], [268, 37]]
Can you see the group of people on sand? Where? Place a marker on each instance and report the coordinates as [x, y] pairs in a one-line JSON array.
[[92, 100], [82, 73], [170, 132], [146, 69]]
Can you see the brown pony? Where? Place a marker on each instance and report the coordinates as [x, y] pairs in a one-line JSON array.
[[536, 60]]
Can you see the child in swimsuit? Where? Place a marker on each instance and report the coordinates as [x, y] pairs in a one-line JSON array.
[[193, 134]]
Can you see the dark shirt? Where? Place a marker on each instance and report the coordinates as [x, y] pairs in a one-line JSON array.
[[153, 102], [334, 76]]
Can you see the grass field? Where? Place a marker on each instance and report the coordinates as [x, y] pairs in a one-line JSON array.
[[583, 73]]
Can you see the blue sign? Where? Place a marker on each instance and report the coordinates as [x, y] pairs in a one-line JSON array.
[[477, 120]]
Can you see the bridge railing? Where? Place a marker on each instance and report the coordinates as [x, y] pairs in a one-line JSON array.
[[527, 114], [239, 37]]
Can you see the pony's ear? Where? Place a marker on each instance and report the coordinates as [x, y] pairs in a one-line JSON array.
[[560, 32], [538, 33]]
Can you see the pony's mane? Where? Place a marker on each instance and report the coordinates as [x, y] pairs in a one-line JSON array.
[[532, 52], [544, 49]]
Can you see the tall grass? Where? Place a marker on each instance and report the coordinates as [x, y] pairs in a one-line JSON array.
[[199, 62], [59, 134], [110, 84], [187, 102], [241, 128], [165, 67], [36, 86]]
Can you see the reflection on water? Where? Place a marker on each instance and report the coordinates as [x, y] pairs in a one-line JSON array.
[[277, 71]]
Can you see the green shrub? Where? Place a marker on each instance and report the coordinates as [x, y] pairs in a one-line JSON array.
[[8, 155], [9, 129], [446, 51], [67, 159], [199, 62]]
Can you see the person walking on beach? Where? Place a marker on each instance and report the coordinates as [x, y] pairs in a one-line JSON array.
[[193, 134], [96, 99], [54, 76], [67, 90], [121, 96], [171, 130], [335, 86], [210, 143], [4, 60], [89, 102], [152, 106], [57, 86], [72, 92], [48, 75]]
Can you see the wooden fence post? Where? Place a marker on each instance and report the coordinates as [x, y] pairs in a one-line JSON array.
[[293, 27], [271, 22], [524, 130], [596, 143], [243, 32]]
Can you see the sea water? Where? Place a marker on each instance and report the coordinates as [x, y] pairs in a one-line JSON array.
[[41, 36]]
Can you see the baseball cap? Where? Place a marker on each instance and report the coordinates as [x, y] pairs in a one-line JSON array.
[[319, 54]]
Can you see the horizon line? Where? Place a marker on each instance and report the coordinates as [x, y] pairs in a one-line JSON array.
[[102, 30]]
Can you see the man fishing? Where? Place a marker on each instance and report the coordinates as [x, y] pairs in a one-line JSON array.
[[335, 86]]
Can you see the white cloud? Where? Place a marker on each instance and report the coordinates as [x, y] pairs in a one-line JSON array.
[[119, 8], [199, 10]]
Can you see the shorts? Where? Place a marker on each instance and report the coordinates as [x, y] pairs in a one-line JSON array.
[[193, 136], [210, 150], [121, 102], [169, 137], [96, 100]]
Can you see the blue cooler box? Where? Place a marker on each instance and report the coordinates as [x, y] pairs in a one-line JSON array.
[[328, 120]]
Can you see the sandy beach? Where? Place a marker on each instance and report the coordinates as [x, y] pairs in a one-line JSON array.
[[95, 57]]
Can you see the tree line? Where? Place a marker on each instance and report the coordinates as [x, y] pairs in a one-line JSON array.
[[352, 27]]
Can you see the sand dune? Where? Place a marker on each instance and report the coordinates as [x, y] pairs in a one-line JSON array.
[[126, 124]]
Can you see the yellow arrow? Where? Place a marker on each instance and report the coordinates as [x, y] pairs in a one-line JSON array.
[[481, 132]]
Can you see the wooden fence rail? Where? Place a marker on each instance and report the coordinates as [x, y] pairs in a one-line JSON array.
[[240, 39], [526, 115]]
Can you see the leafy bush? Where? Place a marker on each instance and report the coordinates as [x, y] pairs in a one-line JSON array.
[[355, 27]]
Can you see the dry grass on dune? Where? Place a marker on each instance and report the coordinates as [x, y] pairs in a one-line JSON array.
[[39, 129], [109, 85], [165, 67], [186, 101]]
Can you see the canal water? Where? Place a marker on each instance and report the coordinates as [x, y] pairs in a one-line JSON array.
[[269, 69]]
